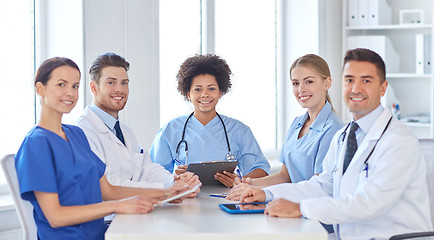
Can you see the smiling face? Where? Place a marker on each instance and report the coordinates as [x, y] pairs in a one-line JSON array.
[[204, 94], [111, 94], [362, 88], [309, 88], [60, 93]]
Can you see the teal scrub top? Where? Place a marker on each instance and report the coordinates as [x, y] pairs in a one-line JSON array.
[[208, 143], [48, 163], [303, 156]]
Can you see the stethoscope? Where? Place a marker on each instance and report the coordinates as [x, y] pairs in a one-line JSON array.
[[365, 163], [229, 155]]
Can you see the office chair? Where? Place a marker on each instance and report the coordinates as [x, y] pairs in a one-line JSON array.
[[24, 208], [427, 146]]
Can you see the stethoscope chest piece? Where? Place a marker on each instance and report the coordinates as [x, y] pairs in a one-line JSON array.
[[230, 157]]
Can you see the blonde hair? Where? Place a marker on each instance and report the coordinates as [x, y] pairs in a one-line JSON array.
[[316, 64]]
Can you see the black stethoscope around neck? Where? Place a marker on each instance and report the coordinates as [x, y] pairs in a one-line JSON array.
[[229, 155], [365, 163]]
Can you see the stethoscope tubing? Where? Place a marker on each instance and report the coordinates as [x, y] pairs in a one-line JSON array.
[[229, 155], [365, 163]]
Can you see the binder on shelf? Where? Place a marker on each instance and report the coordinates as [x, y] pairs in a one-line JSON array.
[[427, 66], [379, 12], [352, 13], [419, 53], [423, 53], [362, 12], [379, 44]]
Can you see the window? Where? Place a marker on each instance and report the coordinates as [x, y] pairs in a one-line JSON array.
[[57, 32], [17, 67], [179, 39], [245, 39]]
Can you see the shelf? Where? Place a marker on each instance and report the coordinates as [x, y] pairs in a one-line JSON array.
[[401, 48], [407, 75], [389, 27]]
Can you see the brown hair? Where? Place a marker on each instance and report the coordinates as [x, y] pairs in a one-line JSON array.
[[106, 60], [316, 64], [47, 67], [366, 55]]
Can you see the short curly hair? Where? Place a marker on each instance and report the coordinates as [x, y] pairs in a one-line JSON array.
[[203, 64]]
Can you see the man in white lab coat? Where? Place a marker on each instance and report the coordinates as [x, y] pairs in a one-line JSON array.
[[378, 192], [127, 164]]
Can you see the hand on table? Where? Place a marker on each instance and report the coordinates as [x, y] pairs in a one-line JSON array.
[[134, 205], [252, 194], [283, 208], [190, 180], [235, 193], [174, 190]]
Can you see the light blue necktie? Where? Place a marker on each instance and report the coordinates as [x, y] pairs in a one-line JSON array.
[[351, 145]]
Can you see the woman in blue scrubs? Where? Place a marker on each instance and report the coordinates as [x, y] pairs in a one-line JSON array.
[[58, 172], [203, 80], [309, 136]]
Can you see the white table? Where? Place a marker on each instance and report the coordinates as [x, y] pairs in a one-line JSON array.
[[201, 218]]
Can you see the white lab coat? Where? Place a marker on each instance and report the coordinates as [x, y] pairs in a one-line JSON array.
[[126, 165], [393, 198]]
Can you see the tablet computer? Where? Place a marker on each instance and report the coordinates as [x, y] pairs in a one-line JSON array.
[[206, 170], [193, 189], [236, 208]]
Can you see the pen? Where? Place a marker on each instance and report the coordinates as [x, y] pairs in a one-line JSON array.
[[219, 195], [366, 169], [239, 174], [177, 161]]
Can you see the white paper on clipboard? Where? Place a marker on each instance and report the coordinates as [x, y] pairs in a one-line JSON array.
[[179, 195]]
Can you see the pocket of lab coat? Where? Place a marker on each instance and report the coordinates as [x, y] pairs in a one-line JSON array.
[[362, 179], [137, 165]]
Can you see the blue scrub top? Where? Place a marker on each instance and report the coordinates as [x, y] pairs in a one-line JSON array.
[[303, 156], [48, 163], [208, 143]]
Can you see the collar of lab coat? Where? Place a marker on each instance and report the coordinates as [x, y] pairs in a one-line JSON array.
[[100, 126], [368, 121], [108, 119], [368, 143]]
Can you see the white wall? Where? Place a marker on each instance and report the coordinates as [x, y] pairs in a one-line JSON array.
[[59, 33], [130, 29], [309, 26], [330, 45]]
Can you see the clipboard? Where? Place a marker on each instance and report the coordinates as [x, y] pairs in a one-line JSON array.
[[206, 170]]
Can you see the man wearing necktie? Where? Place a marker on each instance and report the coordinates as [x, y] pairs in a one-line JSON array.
[[119, 134], [110, 139], [351, 145], [392, 199]]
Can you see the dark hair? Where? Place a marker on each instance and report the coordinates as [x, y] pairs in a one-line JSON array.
[[204, 64], [47, 67], [106, 60], [316, 64], [366, 55]]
